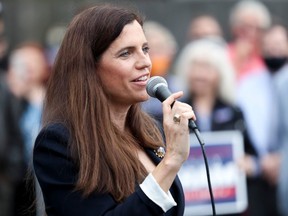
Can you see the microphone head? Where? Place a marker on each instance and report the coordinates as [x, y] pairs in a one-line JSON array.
[[153, 83]]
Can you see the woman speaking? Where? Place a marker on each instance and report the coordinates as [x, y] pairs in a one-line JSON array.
[[98, 153]]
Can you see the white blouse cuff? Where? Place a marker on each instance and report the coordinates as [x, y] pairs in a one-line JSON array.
[[155, 193]]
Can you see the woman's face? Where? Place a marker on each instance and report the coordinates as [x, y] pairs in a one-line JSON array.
[[203, 78], [125, 67]]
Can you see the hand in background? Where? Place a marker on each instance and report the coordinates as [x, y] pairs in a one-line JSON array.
[[248, 165], [270, 165]]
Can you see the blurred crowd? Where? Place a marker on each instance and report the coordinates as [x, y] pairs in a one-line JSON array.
[[24, 72], [239, 84]]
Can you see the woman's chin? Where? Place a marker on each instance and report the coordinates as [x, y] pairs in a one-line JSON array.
[[144, 98]]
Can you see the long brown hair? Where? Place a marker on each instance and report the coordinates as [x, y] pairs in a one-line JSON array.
[[75, 97]]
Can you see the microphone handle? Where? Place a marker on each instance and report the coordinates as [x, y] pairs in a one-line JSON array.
[[194, 127], [162, 94]]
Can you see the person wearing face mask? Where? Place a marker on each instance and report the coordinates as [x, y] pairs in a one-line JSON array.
[[258, 99], [275, 49], [275, 63], [275, 54], [249, 21]]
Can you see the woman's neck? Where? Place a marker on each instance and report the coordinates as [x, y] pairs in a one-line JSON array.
[[118, 116], [203, 105]]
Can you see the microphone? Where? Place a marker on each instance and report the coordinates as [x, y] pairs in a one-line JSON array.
[[157, 87]]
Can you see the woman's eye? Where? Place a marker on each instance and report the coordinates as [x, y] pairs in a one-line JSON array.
[[146, 49], [125, 54]]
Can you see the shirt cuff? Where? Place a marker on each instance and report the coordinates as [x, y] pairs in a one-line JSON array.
[[256, 167], [154, 192]]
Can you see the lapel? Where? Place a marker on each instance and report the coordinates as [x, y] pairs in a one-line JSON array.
[[151, 154]]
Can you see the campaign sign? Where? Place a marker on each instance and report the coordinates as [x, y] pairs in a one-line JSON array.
[[228, 181]]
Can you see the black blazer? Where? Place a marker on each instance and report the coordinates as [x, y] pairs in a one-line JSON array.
[[11, 141], [233, 120], [227, 117], [57, 174]]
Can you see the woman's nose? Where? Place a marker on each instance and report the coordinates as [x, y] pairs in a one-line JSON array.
[[143, 61]]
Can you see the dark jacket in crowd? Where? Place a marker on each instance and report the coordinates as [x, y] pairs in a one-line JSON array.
[[11, 142]]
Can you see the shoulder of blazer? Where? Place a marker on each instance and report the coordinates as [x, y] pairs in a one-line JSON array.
[[53, 138], [56, 127], [54, 130]]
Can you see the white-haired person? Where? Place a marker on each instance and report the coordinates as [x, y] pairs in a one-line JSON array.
[[248, 20], [210, 79], [207, 75]]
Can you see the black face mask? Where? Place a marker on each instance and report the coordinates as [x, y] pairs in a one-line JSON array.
[[274, 63]]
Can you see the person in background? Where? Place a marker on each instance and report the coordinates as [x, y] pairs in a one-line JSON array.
[[248, 20], [163, 47], [260, 90], [274, 50], [254, 95], [11, 147], [27, 75], [98, 152], [3, 44], [204, 26], [275, 54], [202, 65], [273, 165], [210, 78]]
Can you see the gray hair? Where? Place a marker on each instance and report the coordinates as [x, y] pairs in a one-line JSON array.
[[253, 7], [214, 54]]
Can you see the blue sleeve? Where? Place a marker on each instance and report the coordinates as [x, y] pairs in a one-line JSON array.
[[57, 174], [283, 181]]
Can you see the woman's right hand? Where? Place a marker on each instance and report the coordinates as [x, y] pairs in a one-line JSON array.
[[177, 134], [177, 140]]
